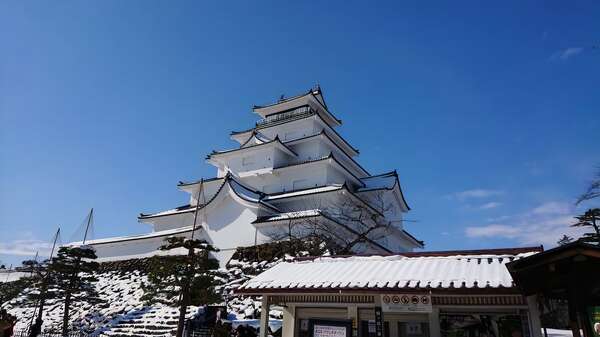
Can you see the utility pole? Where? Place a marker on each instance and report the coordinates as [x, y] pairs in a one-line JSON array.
[[185, 289]]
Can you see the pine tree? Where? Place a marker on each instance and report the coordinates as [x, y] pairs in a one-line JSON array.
[[71, 279], [39, 285], [182, 280], [10, 290], [565, 239], [591, 218]]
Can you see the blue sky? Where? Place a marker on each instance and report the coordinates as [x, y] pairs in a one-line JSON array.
[[490, 113]]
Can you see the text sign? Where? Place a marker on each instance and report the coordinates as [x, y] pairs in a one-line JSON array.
[[378, 322], [406, 303], [329, 331]]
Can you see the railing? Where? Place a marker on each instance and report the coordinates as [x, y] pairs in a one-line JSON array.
[[301, 111]]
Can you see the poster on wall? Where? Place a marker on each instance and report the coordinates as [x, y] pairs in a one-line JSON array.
[[594, 320], [406, 303], [329, 331]]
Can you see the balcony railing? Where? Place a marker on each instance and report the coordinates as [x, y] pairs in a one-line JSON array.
[[301, 111]]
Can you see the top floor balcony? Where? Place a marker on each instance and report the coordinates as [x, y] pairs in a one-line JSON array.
[[284, 115]]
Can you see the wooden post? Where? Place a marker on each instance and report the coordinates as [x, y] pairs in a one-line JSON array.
[[264, 316], [535, 324], [289, 321], [434, 323]]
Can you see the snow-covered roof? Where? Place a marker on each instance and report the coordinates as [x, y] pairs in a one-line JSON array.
[[468, 270], [302, 192], [384, 181], [378, 182], [275, 142], [113, 239], [289, 215]]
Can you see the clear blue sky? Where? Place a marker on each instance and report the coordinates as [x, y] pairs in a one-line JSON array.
[[489, 113]]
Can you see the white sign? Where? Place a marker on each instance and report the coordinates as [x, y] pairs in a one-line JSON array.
[[329, 331], [406, 303]]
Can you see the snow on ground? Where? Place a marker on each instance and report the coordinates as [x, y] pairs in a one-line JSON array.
[[11, 275], [122, 312]]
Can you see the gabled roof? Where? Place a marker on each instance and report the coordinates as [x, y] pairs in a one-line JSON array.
[[238, 188], [275, 141], [388, 273], [385, 181]]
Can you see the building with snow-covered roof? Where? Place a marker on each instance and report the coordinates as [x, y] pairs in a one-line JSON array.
[[291, 166], [419, 294]]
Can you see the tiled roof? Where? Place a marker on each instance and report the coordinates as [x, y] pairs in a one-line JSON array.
[[393, 272]]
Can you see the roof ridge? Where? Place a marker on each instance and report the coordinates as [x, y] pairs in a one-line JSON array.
[[512, 251]]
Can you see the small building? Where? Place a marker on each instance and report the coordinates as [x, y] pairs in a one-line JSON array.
[[424, 294]]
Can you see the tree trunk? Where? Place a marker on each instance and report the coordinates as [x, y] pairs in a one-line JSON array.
[[36, 328], [65, 327], [185, 294]]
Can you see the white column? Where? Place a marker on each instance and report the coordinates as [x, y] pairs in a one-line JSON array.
[[434, 323], [534, 316], [289, 321], [264, 316]]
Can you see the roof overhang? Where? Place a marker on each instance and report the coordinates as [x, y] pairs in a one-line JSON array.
[[217, 157]]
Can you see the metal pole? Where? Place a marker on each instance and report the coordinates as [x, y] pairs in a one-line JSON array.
[[200, 188], [88, 226]]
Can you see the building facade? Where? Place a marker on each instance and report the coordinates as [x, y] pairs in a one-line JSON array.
[[291, 167]]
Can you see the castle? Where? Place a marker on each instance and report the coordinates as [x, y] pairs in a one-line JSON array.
[[291, 168]]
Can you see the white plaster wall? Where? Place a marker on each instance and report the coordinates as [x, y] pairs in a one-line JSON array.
[[250, 160], [283, 179], [229, 223], [308, 150], [172, 221]]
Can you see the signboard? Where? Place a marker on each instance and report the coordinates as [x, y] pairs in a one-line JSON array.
[[594, 320], [329, 331], [378, 322], [406, 303]]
